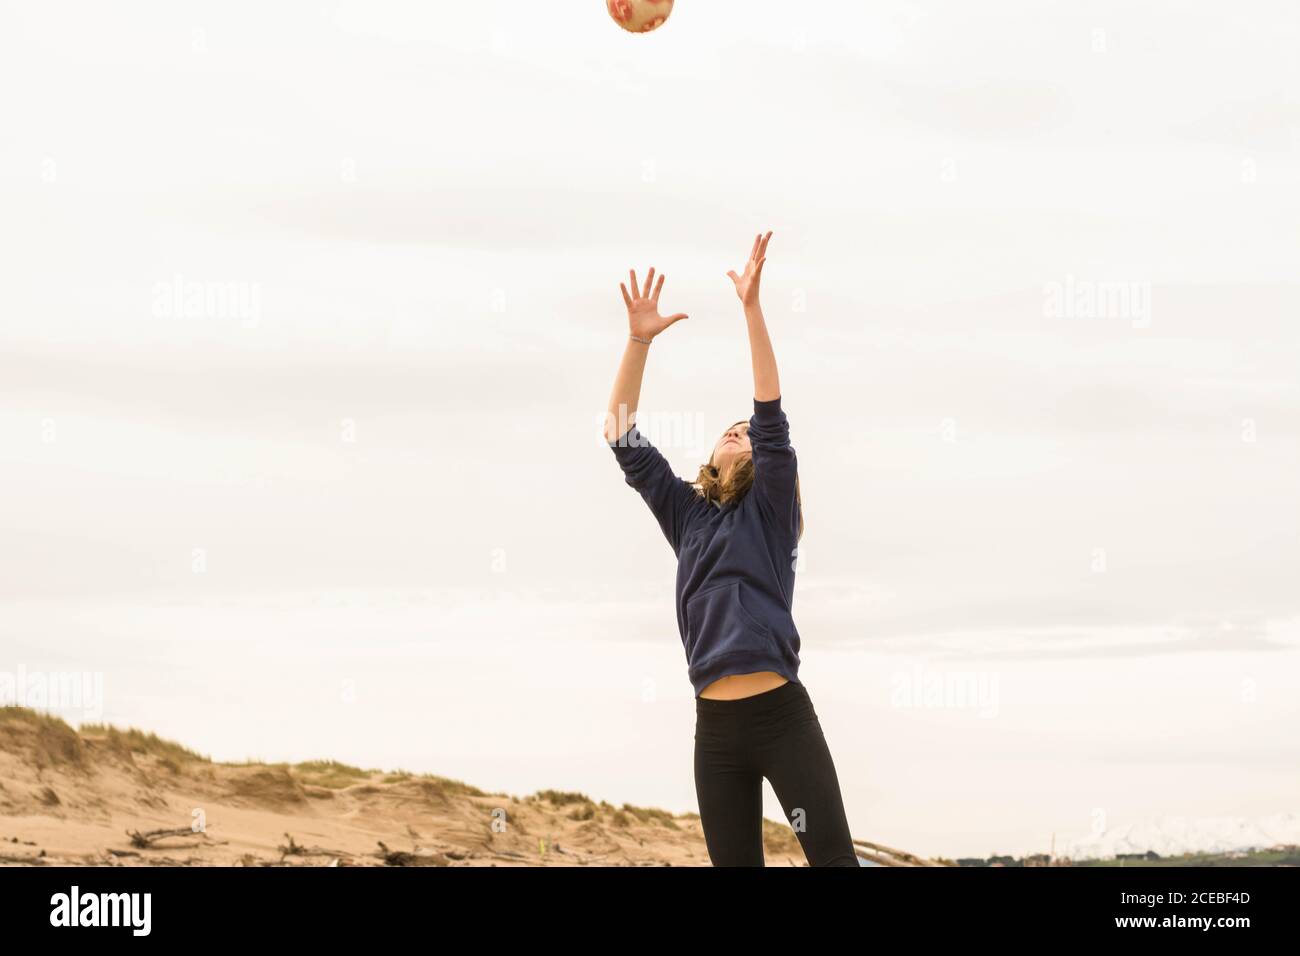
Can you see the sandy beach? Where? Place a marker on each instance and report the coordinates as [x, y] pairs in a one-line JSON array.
[[107, 796]]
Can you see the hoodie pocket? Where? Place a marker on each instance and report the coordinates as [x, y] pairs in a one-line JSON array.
[[717, 623]]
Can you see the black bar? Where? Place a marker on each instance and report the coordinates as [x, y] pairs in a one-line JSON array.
[[546, 906]]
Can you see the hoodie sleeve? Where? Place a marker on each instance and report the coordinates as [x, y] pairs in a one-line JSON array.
[[775, 466], [671, 499]]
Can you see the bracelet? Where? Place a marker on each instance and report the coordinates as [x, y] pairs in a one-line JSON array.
[[637, 338]]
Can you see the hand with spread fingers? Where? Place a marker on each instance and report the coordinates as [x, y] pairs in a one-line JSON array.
[[747, 282], [644, 320]]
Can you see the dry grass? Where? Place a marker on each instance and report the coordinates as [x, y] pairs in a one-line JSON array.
[[45, 740], [134, 741]]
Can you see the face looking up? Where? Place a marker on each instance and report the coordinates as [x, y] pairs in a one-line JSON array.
[[733, 445]]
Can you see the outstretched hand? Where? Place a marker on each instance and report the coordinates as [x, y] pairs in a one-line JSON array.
[[747, 282], [643, 316]]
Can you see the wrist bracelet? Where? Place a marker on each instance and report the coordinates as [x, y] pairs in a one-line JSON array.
[[637, 338]]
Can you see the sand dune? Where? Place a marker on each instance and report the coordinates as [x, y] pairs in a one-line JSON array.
[[102, 796]]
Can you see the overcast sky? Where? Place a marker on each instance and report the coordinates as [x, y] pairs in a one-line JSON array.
[[309, 312]]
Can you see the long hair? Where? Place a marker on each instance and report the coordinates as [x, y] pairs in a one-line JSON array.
[[735, 482]]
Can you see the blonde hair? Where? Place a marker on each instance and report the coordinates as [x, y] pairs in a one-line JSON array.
[[734, 483]]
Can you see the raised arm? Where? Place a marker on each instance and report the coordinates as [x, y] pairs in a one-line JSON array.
[[644, 323], [669, 497], [775, 464], [766, 384]]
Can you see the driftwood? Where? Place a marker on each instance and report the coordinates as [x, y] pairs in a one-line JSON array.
[[37, 860], [402, 858], [145, 841], [888, 856], [171, 861], [507, 854], [294, 849]]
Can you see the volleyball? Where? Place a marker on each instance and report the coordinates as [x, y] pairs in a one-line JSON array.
[[639, 16]]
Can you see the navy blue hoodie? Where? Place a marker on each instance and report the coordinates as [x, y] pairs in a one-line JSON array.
[[735, 562]]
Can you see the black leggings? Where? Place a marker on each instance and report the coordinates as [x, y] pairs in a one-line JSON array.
[[775, 734]]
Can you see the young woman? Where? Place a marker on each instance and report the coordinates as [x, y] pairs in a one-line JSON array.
[[735, 531]]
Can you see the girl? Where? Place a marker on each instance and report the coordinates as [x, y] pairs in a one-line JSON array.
[[735, 531]]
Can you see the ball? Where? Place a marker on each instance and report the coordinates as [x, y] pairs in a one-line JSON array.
[[639, 16]]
